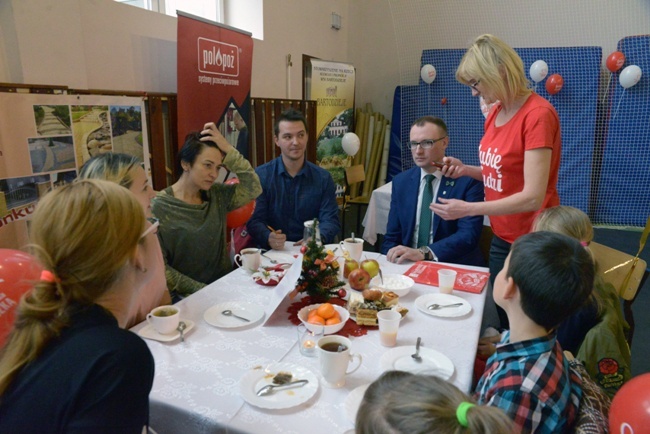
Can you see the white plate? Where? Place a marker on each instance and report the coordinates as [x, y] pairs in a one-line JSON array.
[[433, 362], [148, 332], [255, 379], [353, 401], [448, 312], [250, 311], [279, 257]]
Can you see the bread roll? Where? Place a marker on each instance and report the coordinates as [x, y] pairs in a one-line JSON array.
[[371, 294]]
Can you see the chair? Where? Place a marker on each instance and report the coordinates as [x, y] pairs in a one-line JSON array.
[[354, 175], [615, 266]]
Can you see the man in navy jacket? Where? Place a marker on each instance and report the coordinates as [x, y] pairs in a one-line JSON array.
[[454, 241]]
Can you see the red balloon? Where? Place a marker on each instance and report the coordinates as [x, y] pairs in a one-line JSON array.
[[554, 84], [615, 61], [443, 101], [18, 271], [239, 217], [630, 409]]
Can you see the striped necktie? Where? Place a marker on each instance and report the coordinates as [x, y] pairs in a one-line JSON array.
[[425, 213]]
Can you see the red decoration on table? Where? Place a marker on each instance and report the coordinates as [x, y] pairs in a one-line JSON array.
[[350, 328], [426, 272]]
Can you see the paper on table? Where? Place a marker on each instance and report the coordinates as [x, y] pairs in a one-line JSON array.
[[466, 280], [282, 289]]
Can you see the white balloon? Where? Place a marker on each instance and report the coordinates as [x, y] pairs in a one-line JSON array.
[[630, 76], [538, 71], [428, 73], [350, 143]]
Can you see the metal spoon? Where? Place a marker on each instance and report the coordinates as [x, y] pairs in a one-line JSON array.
[[181, 327], [442, 306], [266, 390], [417, 356], [273, 261], [228, 312]]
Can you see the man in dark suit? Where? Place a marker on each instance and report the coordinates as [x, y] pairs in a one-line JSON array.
[[413, 232]]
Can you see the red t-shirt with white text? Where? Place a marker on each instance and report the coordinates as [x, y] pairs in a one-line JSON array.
[[536, 125]]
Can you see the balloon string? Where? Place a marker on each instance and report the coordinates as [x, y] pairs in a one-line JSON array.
[[607, 88], [619, 103]]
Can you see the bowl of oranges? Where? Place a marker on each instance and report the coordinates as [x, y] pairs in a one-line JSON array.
[[324, 316]]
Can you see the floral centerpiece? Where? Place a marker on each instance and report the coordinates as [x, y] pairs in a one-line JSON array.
[[320, 271]]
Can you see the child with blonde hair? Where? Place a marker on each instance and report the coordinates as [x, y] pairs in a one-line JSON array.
[[403, 403]]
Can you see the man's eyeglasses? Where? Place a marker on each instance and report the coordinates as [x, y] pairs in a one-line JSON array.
[[473, 85], [425, 144], [154, 225]]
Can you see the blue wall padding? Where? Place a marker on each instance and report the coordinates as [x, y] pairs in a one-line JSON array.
[[576, 104], [623, 197], [397, 126]]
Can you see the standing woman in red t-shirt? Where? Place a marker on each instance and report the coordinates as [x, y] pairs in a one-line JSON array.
[[519, 152]]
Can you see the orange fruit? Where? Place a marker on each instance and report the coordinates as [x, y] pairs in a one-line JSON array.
[[326, 310], [315, 319], [333, 320], [312, 313]]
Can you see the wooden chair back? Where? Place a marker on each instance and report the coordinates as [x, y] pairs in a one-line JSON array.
[[614, 266]]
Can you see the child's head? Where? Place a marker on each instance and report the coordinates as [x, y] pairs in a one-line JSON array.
[[565, 220], [399, 402], [554, 274]]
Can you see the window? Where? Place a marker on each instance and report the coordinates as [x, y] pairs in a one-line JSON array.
[[242, 14]]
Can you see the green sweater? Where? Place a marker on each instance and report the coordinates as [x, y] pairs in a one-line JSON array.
[[193, 237]]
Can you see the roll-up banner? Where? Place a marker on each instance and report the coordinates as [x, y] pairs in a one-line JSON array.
[[214, 76], [332, 86]]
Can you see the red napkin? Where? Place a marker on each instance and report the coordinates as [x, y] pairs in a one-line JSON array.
[[426, 272]]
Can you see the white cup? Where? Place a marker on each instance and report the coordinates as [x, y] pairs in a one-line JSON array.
[[334, 363], [388, 321], [354, 246], [249, 259], [446, 281], [164, 319]]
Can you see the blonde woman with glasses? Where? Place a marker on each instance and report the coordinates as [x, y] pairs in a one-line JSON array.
[[519, 153], [69, 365], [126, 170]]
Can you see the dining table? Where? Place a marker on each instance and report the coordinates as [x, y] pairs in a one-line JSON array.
[[198, 382]]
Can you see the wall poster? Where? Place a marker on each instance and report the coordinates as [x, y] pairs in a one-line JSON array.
[[332, 86], [44, 141]]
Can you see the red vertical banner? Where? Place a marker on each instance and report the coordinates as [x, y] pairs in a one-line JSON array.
[[214, 76]]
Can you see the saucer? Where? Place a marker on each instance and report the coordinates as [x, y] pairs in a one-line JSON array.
[[148, 332]]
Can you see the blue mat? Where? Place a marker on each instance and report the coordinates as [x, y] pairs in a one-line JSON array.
[[576, 104], [623, 196]]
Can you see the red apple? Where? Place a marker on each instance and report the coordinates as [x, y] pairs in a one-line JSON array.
[[359, 279], [342, 293], [350, 264], [371, 266]]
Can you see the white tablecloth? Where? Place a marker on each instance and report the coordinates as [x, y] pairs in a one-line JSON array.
[[376, 218], [196, 385]]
